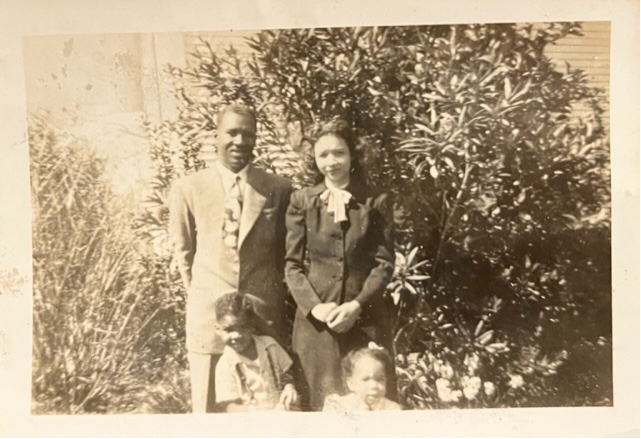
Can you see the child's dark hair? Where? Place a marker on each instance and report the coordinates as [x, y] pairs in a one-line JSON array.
[[379, 354], [235, 304]]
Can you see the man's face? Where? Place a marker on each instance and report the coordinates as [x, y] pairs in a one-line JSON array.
[[236, 139]]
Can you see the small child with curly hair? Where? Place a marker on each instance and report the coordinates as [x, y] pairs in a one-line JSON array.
[[364, 371], [254, 371]]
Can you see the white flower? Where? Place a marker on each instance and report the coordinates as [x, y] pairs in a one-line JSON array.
[[444, 390], [472, 361], [471, 386], [437, 366], [442, 384], [516, 381], [489, 388], [446, 371]]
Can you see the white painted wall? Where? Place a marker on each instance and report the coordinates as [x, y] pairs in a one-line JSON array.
[[99, 87]]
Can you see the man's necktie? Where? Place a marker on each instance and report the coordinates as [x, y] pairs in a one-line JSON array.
[[233, 207]]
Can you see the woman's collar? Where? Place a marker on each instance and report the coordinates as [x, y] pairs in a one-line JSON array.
[[319, 188], [331, 186], [354, 184]]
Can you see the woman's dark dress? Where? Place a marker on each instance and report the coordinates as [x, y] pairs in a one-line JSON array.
[[337, 262]]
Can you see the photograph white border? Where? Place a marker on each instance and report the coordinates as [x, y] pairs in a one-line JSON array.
[[42, 17]]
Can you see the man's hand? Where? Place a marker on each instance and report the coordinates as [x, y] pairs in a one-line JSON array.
[[288, 397], [322, 310], [343, 317]]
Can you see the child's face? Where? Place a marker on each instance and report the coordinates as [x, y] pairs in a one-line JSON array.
[[235, 332], [368, 380]]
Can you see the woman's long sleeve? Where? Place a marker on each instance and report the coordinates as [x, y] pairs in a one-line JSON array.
[[384, 255], [302, 290]]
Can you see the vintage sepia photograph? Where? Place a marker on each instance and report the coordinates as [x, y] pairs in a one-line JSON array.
[[320, 219]]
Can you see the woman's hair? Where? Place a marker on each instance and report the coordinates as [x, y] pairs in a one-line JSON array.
[[235, 304], [335, 127], [378, 354]]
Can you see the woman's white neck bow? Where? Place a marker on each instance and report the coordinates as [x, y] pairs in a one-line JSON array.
[[337, 199]]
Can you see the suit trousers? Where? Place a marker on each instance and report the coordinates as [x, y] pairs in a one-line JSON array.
[[202, 369]]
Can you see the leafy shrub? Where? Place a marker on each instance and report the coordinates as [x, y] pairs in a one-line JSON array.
[[98, 337]]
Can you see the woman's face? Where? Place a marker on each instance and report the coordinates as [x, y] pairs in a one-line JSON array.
[[333, 159]]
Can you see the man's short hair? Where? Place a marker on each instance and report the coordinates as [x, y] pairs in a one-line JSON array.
[[241, 110]]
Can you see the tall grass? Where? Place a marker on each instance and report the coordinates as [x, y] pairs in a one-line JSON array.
[[104, 338]]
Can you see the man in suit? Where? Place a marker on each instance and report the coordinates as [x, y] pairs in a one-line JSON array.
[[227, 223]]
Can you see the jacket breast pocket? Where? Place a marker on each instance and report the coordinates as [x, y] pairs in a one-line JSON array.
[[269, 213]]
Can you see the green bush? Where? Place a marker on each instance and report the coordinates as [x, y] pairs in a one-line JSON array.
[[503, 198], [105, 333]]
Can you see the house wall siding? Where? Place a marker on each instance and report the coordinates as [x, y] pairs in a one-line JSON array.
[[590, 53]]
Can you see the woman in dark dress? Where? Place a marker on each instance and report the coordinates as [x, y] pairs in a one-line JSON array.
[[340, 257]]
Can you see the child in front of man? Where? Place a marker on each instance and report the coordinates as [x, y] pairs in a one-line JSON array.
[[254, 371], [365, 374]]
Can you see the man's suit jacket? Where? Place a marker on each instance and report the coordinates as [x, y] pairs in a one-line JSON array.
[[197, 206]]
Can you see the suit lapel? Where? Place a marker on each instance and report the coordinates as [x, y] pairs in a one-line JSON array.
[[358, 214], [216, 182], [252, 204], [317, 208]]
